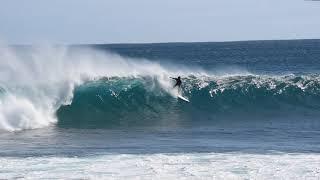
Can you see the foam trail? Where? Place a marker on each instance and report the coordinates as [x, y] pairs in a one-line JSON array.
[[37, 81]]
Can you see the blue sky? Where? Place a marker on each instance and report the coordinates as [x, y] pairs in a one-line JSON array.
[[139, 21]]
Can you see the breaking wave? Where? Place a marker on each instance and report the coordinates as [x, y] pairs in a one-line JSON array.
[[82, 87]]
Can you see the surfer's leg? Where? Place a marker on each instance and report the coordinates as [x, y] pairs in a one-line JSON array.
[[179, 89]]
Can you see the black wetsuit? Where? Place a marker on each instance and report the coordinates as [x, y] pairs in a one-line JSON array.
[[178, 82]]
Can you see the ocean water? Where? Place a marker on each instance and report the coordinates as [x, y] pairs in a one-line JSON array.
[[110, 112]]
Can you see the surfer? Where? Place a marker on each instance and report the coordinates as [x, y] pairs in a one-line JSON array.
[[178, 85], [178, 82]]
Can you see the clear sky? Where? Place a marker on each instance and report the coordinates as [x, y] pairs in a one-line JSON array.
[[138, 21]]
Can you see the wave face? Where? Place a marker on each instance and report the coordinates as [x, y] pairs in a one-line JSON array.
[[143, 101]]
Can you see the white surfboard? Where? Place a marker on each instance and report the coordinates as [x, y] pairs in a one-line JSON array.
[[183, 98]]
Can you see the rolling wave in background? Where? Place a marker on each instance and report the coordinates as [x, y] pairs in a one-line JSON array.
[[86, 88]]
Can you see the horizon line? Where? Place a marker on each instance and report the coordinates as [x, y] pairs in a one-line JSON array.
[[164, 42]]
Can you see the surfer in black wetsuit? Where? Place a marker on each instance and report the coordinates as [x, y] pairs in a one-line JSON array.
[[178, 82]]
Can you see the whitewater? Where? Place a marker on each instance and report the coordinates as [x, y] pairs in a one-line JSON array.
[[110, 112]]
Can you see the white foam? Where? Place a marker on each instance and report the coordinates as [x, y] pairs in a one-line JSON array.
[[18, 113], [165, 166]]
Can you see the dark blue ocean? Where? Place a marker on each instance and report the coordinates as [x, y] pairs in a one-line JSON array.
[[111, 112]]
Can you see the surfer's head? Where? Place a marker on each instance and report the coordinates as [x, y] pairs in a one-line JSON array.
[[178, 77]]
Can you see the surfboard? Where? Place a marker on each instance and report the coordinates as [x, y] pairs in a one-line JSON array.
[[183, 98]]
